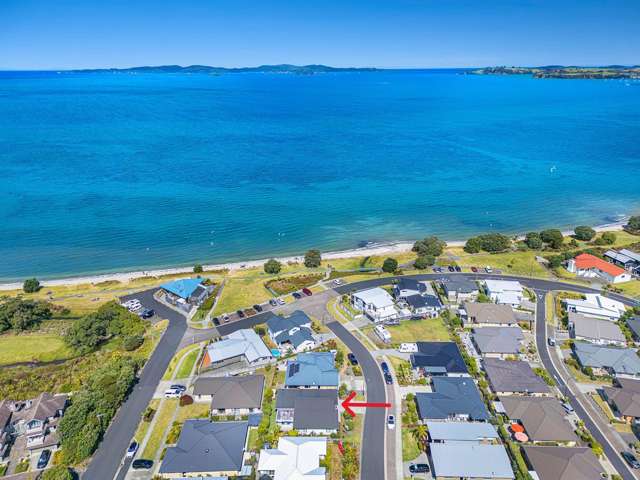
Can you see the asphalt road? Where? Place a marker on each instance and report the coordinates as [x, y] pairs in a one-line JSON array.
[[110, 454]]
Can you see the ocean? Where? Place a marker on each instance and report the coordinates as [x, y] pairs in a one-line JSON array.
[[106, 172]]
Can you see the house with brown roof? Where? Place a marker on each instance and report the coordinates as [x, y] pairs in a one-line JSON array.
[[563, 463], [240, 395], [624, 399], [488, 315], [543, 418], [35, 421]]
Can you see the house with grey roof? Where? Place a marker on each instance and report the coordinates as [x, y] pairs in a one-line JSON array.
[[607, 360], [488, 315], [309, 411], [624, 399], [424, 305], [513, 376], [563, 463], [242, 349], [452, 398], [460, 289], [36, 420], [239, 395], [595, 330], [479, 432], [438, 358], [312, 370], [498, 342], [208, 449], [543, 418], [407, 287], [470, 460], [292, 332], [625, 258], [634, 325]]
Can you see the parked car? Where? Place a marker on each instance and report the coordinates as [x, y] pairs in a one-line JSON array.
[[631, 459], [225, 318], [216, 321], [488, 269], [567, 406], [296, 295], [43, 460], [385, 367], [273, 302], [133, 448], [408, 348], [337, 282], [388, 379], [146, 313], [352, 359], [280, 301], [458, 269], [307, 292], [240, 314], [257, 308], [418, 468], [142, 464], [172, 393], [551, 341], [435, 269], [474, 269], [391, 422], [178, 387]]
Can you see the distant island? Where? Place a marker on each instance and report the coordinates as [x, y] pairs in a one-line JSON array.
[[283, 68], [556, 71]]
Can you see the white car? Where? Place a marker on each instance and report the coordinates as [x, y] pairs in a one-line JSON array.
[[280, 301], [338, 282], [133, 448], [408, 348], [172, 393], [391, 422]]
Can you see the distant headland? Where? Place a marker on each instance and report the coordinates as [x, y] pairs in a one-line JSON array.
[[282, 68], [557, 71]]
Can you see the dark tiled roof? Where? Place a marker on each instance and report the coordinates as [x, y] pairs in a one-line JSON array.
[[420, 301], [452, 396], [313, 408], [439, 357], [513, 376], [231, 392]]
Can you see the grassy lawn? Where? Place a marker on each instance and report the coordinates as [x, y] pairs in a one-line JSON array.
[[410, 447], [291, 283], [549, 304], [604, 406], [143, 426], [168, 375], [516, 263], [187, 364], [195, 410], [431, 329], [631, 289], [32, 347], [163, 417], [582, 378]]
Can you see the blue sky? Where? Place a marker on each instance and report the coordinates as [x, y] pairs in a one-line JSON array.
[[42, 34]]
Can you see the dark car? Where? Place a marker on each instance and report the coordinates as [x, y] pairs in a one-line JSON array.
[[216, 321], [385, 367], [273, 302], [630, 459], [458, 269], [352, 359], [388, 379], [474, 269], [241, 314], [451, 269], [182, 388], [419, 468], [257, 308], [435, 269], [44, 459], [147, 313], [297, 295], [142, 464], [307, 292]]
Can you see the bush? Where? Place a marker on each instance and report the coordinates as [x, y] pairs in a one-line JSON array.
[[186, 400], [490, 242], [31, 285], [633, 225], [390, 265], [59, 472], [19, 315], [312, 259], [198, 268], [533, 240], [553, 237], [132, 342], [607, 238], [584, 233], [431, 246], [272, 266], [424, 261]]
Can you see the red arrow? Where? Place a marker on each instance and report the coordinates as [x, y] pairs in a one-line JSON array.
[[347, 404]]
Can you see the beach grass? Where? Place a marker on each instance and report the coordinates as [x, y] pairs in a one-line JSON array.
[[32, 347]]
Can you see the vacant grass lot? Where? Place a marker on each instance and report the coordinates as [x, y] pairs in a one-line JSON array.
[[32, 347], [515, 263], [431, 329]]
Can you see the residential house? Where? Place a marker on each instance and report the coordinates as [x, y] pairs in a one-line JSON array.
[[497, 342], [439, 358], [634, 325], [626, 259], [488, 314], [5, 416], [513, 376], [207, 448], [37, 420], [424, 305], [239, 395], [543, 418], [242, 348], [292, 332], [407, 287], [607, 360], [296, 458], [563, 463], [460, 289], [597, 306], [452, 398], [479, 432], [310, 412], [589, 266], [504, 292], [376, 304], [312, 370], [595, 330], [186, 292], [624, 399], [470, 460]]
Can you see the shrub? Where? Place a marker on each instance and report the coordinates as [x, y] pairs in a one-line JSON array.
[[272, 266], [198, 268], [390, 265], [431, 246], [31, 285], [132, 342], [186, 400], [584, 233], [607, 238], [633, 225], [59, 472], [533, 240], [424, 261], [490, 242], [312, 259], [553, 237], [18, 314]]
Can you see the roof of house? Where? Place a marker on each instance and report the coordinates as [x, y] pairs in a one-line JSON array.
[[276, 323], [490, 313], [470, 460], [241, 342], [625, 396], [631, 254], [459, 285], [562, 463], [503, 340], [543, 418], [44, 406], [296, 458], [5, 414], [595, 328], [183, 287], [596, 304], [438, 357], [513, 376], [205, 446], [296, 338], [498, 286], [313, 408], [451, 396], [231, 392], [622, 256], [586, 261], [620, 360], [461, 431], [376, 296], [405, 283], [634, 325], [421, 301], [312, 369]]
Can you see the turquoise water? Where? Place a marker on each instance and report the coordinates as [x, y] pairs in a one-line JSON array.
[[103, 172]]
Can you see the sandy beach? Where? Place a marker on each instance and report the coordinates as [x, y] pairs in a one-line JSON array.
[[373, 250]]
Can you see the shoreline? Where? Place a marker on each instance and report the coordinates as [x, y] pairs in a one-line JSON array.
[[372, 250]]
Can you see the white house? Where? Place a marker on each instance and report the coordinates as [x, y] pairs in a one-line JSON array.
[[375, 303], [295, 458], [596, 306], [504, 292], [590, 266]]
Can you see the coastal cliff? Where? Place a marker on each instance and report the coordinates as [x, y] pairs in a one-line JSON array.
[[555, 71]]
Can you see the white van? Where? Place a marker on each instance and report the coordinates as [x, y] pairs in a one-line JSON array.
[[383, 333]]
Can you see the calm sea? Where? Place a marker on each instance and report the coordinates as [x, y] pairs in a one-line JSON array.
[[104, 172]]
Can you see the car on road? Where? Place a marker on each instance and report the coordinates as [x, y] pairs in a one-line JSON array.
[[240, 314], [551, 341], [146, 313], [172, 393], [474, 269], [307, 292], [385, 367], [179, 387], [273, 302], [280, 301], [488, 269], [631, 459], [418, 468], [352, 359], [142, 464], [297, 295], [567, 406], [257, 308], [133, 448], [391, 422], [43, 460], [388, 379], [216, 321], [338, 281]]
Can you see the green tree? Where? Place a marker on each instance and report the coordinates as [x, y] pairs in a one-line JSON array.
[[533, 240], [19, 315], [59, 472], [272, 266], [312, 259], [424, 261], [197, 268], [390, 265], [132, 342], [553, 237], [633, 225], [584, 233], [607, 238], [431, 246], [31, 285], [473, 245], [420, 434]]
